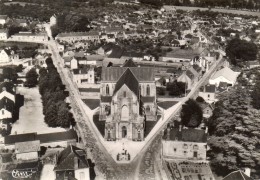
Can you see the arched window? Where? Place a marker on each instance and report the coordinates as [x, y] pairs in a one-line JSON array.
[[148, 90], [107, 90]]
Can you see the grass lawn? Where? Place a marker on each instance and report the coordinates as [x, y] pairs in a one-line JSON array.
[[167, 104], [91, 103], [149, 126], [99, 124], [31, 118]]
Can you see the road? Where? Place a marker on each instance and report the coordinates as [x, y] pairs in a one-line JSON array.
[[90, 136]]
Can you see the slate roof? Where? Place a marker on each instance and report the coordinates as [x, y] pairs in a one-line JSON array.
[[210, 88], [187, 135], [58, 136], [71, 34], [89, 90], [28, 146], [130, 81], [107, 99], [147, 99], [112, 74], [237, 175], [44, 138], [129, 63], [66, 159], [226, 73], [8, 86], [196, 68], [6, 103], [117, 52], [189, 74], [12, 139]]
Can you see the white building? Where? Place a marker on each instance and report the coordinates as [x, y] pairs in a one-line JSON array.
[[83, 76], [27, 150], [224, 75], [78, 36], [3, 34], [53, 20], [72, 162], [208, 93], [3, 19], [184, 144], [4, 56], [28, 36]]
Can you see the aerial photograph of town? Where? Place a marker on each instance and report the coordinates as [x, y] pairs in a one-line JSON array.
[[129, 89]]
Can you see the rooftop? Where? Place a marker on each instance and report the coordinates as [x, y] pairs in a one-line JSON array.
[[186, 135]]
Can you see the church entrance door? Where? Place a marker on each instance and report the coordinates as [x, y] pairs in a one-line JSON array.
[[124, 132]]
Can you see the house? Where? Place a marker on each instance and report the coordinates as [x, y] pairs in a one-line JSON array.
[[187, 169], [62, 139], [5, 56], [252, 64], [180, 143], [72, 163], [207, 109], [208, 93], [28, 36], [6, 108], [3, 34], [238, 175], [85, 75], [224, 75], [7, 89], [28, 150], [78, 36], [21, 22], [53, 20], [126, 94], [3, 19], [180, 55], [190, 76]]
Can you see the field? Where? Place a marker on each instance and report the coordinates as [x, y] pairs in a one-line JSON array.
[[31, 118]]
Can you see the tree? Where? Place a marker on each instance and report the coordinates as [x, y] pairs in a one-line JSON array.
[[63, 115], [191, 114], [256, 94], [241, 49], [31, 78], [51, 115], [200, 99]]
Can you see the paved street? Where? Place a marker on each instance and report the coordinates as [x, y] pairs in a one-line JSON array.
[[91, 137]]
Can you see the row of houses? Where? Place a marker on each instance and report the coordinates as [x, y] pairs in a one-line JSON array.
[[71, 162], [7, 103]]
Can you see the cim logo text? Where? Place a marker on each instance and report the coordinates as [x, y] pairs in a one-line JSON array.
[[23, 173]]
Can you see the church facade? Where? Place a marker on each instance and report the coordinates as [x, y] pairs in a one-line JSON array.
[[128, 100]]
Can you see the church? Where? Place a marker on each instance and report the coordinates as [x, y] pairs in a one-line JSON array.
[[128, 100]]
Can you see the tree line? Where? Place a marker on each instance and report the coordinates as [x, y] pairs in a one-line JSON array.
[[55, 109], [238, 4]]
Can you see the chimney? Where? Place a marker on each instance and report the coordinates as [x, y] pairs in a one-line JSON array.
[[247, 171]]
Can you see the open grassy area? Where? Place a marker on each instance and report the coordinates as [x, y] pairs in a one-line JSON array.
[[31, 118], [99, 124], [91, 103], [167, 104]]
